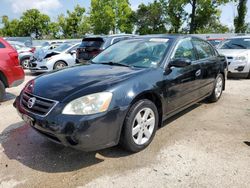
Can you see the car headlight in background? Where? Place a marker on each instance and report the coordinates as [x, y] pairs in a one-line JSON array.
[[89, 104], [240, 59]]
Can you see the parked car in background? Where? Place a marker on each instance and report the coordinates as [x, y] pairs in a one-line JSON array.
[[27, 41], [93, 45], [215, 41], [48, 45], [24, 53], [11, 73], [124, 93], [60, 57], [237, 51]]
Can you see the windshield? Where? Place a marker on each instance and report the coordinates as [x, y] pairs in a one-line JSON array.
[[142, 53], [62, 47], [45, 44], [236, 43]]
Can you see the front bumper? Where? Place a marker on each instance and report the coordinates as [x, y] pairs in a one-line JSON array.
[[40, 66], [87, 133]]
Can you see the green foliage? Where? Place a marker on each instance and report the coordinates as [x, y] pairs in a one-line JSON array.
[[176, 14], [109, 15], [203, 12], [239, 21], [33, 23], [10, 28], [73, 22], [150, 19]]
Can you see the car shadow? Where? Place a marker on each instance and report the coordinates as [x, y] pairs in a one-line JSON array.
[[8, 97], [21, 143], [247, 143]]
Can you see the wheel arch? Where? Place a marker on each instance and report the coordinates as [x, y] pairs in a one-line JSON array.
[[59, 61], [4, 79], [155, 98]]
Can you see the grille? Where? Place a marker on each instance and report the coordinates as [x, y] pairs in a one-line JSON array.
[[229, 57], [41, 105]]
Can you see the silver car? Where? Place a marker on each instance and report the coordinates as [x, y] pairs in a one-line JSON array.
[[237, 51], [60, 57], [24, 53]]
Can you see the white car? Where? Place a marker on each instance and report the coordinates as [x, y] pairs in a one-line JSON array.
[[60, 57], [237, 51]]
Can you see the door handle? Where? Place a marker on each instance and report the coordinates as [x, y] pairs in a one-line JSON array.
[[198, 73]]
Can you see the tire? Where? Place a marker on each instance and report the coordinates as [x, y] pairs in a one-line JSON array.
[[248, 77], [218, 89], [137, 141], [59, 65], [2, 91], [25, 63]]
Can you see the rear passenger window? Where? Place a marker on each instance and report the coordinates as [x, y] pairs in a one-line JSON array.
[[204, 50], [2, 45]]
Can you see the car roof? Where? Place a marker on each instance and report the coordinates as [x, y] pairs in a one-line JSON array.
[[108, 36], [240, 37]]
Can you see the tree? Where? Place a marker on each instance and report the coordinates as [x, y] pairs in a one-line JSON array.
[[10, 28], [53, 31], [202, 12], [175, 13], [150, 19], [239, 21], [34, 23], [110, 15]]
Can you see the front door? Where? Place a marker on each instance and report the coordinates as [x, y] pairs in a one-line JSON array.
[[182, 83]]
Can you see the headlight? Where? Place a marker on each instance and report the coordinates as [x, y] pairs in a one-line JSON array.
[[47, 59], [240, 58], [89, 104]]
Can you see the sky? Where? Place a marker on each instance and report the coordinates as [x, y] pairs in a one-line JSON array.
[[15, 8]]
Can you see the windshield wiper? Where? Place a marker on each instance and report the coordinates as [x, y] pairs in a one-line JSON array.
[[114, 63]]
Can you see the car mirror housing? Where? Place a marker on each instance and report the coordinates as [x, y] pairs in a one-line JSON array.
[[182, 62]]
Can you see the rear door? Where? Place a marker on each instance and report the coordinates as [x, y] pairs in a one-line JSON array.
[[208, 59], [183, 83]]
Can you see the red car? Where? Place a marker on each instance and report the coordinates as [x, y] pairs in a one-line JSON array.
[[11, 73]]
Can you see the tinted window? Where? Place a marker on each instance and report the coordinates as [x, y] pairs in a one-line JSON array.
[[237, 43], [2, 45], [185, 50], [204, 50], [92, 42]]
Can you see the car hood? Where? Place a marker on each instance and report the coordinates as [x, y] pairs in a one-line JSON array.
[[59, 85], [233, 52]]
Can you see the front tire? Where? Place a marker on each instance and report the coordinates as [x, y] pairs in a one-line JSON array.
[[218, 88], [25, 63], [140, 126], [2, 91]]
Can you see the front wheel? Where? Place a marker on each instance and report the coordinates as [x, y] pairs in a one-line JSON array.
[[218, 89], [2, 91], [25, 63], [140, 126]]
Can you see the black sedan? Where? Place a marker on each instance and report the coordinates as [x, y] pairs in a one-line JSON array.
[[123, 94]]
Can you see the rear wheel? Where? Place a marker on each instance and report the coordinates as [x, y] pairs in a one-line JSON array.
[[140, 126], [218, 88], [59, 65], [25, 63], [2, 91], [248, 77]]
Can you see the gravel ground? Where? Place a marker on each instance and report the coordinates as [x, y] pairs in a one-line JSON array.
[[208, 145]]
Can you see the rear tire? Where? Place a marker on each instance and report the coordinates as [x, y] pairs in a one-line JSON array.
[[2, 91], [59, 65], [248, 77], [140, 126], [218, 89]]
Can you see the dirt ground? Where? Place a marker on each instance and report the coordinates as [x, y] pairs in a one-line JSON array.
[[208, 145]]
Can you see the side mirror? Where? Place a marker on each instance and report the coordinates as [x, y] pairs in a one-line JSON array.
[[179, 63], [72, 52]]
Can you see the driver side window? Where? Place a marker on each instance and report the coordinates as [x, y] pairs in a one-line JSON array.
[[184, 50]]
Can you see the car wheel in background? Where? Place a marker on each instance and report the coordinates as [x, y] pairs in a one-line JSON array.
[[140, 126], [59, 65], [25, 63], [218, 88], [2, 91]]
